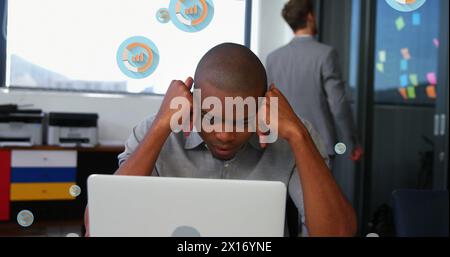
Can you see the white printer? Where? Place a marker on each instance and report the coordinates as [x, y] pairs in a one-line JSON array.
[[20, 127], [72, 129]]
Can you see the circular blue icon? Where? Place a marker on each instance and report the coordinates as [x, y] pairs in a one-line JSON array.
[[406, 5], [163, 15], [137, 57], [191, 15]]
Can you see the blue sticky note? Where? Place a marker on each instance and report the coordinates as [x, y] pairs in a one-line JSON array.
[[404, 80], [416, 19], [404, 65]]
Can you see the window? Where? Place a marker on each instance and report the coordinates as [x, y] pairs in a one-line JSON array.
[[73, 44], [407, 49]]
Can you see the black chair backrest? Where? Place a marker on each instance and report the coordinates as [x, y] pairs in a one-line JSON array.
[[421, 213]]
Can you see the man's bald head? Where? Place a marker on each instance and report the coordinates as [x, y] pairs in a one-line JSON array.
[[231, 67]]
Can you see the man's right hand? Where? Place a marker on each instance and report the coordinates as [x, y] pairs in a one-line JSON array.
[[176, 89]]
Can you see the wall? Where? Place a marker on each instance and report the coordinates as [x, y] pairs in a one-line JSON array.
[[269, 30], [118, 114]]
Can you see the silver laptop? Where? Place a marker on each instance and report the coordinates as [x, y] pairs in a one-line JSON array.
[[185, 207]]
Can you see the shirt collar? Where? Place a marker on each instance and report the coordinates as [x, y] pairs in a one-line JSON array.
[[194, 140], [303, 38]]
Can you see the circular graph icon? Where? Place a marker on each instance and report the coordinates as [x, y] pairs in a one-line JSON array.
[[340, 148], [406, 5], [163, 15], [191, 15], [25, 218], [137, 57], [74, 190]]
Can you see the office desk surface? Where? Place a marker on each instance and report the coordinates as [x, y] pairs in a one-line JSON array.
[[43, 228]]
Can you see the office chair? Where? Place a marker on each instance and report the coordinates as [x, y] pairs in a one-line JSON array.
[[421, 213]]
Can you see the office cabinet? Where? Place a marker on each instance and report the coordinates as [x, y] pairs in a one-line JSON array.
[[39, 179], [41, 175]]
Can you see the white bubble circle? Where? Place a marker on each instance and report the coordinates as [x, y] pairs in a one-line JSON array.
[[72, 235], [25, 218], [340, 148], [75, 190], [373, 235]]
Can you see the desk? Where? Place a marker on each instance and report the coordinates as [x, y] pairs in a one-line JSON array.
[[43, 228]]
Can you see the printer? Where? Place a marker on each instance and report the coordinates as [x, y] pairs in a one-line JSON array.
[[20, 127], [72, 129]]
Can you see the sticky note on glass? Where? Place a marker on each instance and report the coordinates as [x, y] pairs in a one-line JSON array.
[[400, 23], [404, 80], [411, 92], [406, 54], [414, 79], [416, 19], [382, 56], [431, 76], [380, 67], [431, 91], [404, 65], [436, 42], [403, 93]]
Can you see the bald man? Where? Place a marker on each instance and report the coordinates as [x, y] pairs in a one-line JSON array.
[[297, 158]]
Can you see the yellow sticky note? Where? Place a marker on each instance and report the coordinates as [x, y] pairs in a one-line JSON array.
[[382, 56], [414, 79], [400, 23], [380, 67]]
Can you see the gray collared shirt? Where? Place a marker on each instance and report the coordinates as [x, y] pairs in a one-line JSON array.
[[189, 157]]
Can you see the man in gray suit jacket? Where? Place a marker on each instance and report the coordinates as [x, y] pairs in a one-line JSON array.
[[307, 73]]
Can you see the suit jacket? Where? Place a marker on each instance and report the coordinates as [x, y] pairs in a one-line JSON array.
[[308, 74]]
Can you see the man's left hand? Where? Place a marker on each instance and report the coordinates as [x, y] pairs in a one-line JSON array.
[[288, 124]]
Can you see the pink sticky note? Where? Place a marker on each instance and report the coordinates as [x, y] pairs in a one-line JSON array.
[[406, 54], [431, 76], [436, 42]]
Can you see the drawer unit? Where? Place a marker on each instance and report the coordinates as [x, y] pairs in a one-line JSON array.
[[42, 175], [5, 168], [40, 191], [39, 179], [33, 158], [31, 175]]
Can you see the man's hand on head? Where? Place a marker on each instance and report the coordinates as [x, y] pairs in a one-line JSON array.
[[288, 125], [176, 89]]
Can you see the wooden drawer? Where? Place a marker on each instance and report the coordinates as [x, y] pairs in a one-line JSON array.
[[43, 175], [33, 158], [40, 191]]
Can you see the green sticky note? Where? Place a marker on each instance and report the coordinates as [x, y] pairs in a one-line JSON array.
[[411, 92], [400, 23], [414, 79], [380, 67]]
